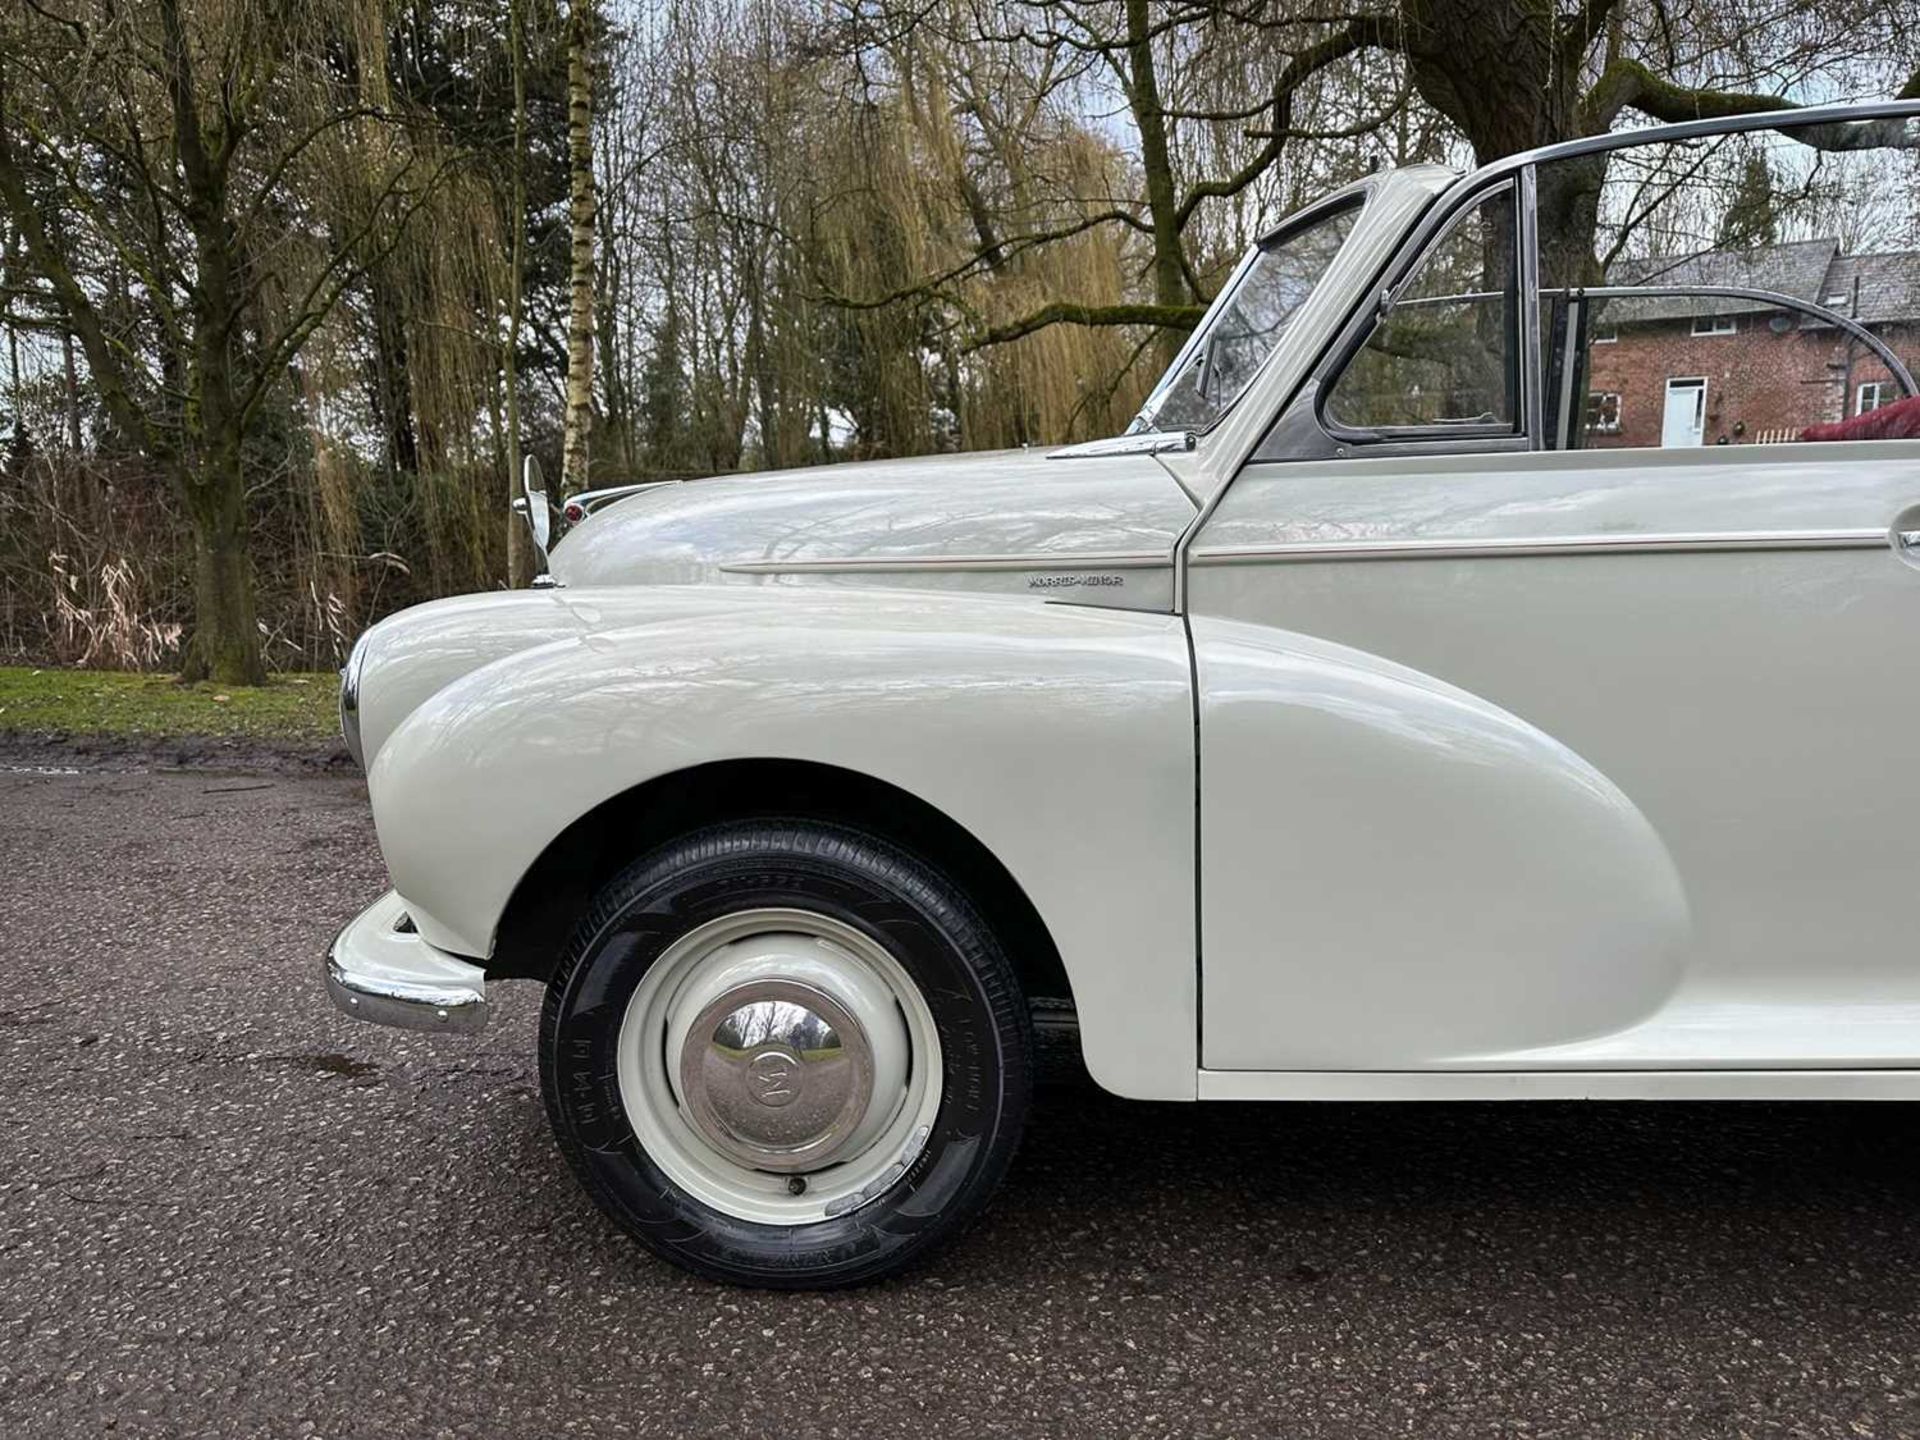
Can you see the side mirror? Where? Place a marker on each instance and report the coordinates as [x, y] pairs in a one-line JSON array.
[[532, 503]]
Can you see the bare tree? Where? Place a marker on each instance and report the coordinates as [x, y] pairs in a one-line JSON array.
[[1242, 89], [208, 121]]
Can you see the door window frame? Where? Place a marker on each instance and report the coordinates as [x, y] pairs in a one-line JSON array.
[[1303, 431], [1517, 363], [1292, 432]]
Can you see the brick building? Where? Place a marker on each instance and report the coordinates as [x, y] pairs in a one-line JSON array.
[[1708, 370]]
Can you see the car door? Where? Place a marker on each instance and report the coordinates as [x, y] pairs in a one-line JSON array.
[[1550, 759]]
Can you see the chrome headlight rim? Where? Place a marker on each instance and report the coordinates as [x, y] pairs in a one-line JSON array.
[[350, 699]]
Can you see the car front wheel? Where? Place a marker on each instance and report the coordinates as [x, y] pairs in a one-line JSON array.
[[786, 1053]]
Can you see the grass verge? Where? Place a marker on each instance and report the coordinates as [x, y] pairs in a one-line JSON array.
[[105, 702]]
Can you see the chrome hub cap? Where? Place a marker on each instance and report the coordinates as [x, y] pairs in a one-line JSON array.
[[777, 1074], [780, 1066]]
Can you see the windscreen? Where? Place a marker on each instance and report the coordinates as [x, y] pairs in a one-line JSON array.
[[1243, 328]]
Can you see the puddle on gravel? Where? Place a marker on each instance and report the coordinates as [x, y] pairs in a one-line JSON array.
[[344, 1066]]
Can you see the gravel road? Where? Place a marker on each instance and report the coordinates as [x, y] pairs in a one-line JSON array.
[[225, 1210]]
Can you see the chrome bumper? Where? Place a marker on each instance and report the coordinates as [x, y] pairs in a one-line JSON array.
[[378, 969]]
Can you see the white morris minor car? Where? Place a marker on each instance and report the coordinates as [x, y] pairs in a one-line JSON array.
[[1368, 722]]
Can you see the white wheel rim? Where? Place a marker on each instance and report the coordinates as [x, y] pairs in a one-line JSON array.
[[683, 1089]]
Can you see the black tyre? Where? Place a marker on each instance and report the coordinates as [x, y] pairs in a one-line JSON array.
[[786, 1054]]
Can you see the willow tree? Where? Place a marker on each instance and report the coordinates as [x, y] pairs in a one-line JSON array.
[[183, 144], [1213, 95]]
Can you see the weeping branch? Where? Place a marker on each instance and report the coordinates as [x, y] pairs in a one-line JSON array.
[[1060, 312], [1359, 34]]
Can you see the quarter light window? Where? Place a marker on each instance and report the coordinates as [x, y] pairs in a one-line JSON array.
[[1443, 358]]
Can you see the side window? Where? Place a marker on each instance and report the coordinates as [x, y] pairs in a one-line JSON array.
[[1681, 368], [1444, 358], [1729, 291]]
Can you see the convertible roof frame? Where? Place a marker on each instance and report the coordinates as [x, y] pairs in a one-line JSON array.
[[1207, 471], [1787, 117], [1521, 170]]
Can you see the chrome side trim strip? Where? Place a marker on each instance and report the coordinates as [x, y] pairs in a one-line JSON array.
[[1701, 1083], [898, 565], [1570, 545]]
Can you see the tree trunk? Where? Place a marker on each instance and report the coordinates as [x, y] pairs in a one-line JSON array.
[[226, 637], [1497, 69], [225, 645], [520, 557], [70, 373], [582, 217], [1156, 165], [9, 280], [392, 374], [773, 453]]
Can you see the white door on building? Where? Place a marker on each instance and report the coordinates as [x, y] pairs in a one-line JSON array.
[[1685, 421]]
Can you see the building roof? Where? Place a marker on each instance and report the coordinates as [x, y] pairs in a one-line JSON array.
[[1888, 286], [1797, 269], [1874, 288]]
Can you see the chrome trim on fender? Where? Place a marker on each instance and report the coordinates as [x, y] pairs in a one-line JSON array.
[[588, 501], [856, 565], [380, 970], [1571, 545]]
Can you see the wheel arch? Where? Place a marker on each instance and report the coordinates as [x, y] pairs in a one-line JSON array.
[[555, 890], [1057, 738]]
